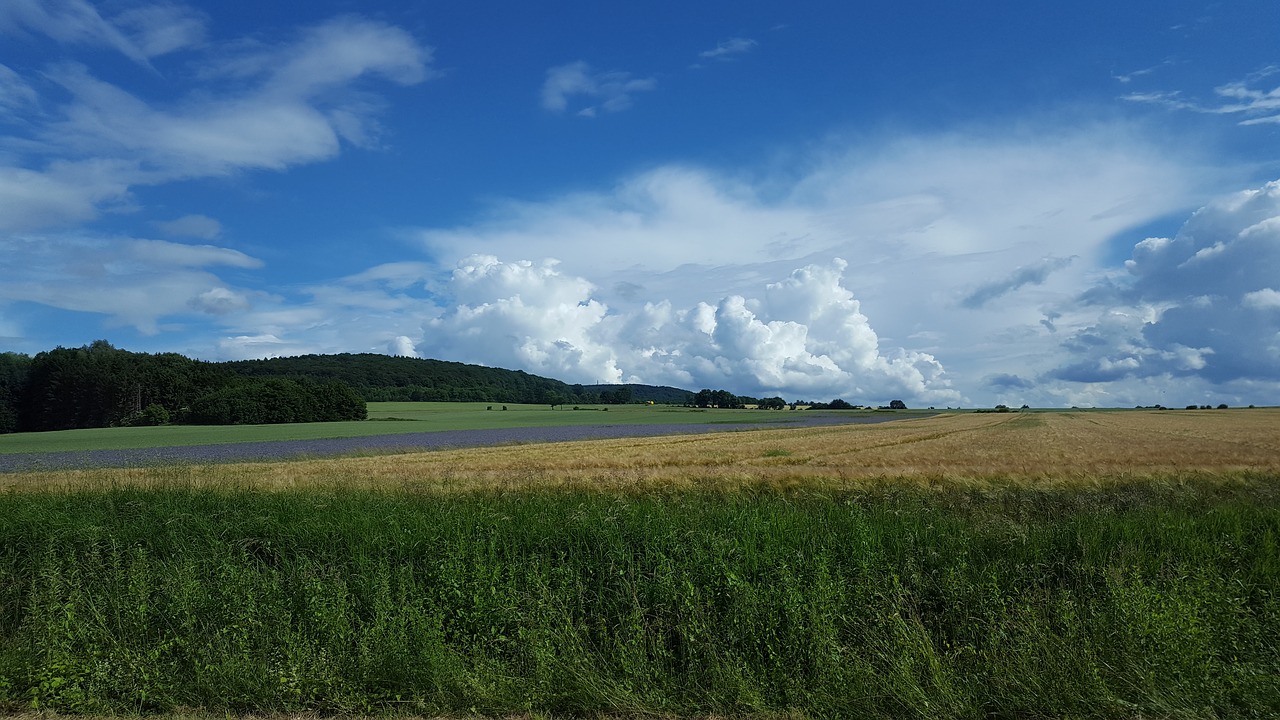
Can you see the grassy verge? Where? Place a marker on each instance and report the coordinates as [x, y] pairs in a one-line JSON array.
[[1157, 598]]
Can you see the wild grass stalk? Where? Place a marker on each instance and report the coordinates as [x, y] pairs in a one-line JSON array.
[[1141, 599]]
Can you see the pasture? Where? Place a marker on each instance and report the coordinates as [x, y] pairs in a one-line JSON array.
[[1090, 565]]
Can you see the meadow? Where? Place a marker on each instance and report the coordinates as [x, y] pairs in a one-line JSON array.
[[1086, 565]]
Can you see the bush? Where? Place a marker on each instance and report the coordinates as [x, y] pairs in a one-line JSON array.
[[149, 416]]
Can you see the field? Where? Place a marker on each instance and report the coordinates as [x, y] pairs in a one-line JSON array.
[[1121, 564], [388, 418]]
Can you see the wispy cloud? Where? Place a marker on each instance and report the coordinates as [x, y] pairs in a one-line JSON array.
[[270, 108], [191, 226], [1258, 105], [1027, 275], [729, 48], [1126, 78], [139, 33], [604, 91]]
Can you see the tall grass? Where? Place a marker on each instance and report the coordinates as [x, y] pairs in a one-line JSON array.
[[1156, 599]]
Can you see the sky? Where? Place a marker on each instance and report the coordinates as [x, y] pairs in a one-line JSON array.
[[951, 204]]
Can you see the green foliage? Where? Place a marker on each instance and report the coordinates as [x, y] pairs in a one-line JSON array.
[[1138, 601], [101, 386], [149, 416], [14, 369], [275, 401], [837, 404], [382, 378], [716, 399]]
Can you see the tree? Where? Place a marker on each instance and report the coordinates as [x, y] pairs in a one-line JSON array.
[[772, 403], [14, 369], [897, 405]]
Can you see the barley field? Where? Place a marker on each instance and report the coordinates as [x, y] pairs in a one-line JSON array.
[[1022, 565]]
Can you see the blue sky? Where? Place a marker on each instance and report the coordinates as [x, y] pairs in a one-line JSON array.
[[950, 204]]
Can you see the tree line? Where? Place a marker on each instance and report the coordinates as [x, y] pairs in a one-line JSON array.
[[99, 385]]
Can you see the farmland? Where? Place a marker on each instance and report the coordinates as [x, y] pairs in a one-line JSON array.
[[387, 418], [1088, 564]]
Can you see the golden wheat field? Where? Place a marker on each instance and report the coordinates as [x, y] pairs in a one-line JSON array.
[[1047, 447]]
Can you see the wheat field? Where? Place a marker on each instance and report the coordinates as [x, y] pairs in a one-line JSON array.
[[1056, 448]]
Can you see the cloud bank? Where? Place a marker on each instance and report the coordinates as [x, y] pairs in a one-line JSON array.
[[1201, 304], [802, 334]]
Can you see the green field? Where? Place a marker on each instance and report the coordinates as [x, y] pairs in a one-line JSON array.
[[1057, 565], [384, 419]]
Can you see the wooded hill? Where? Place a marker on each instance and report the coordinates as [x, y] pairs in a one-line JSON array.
[[99, 385], [384, 378]]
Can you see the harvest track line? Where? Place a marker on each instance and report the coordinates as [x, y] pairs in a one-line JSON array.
[[279, 450]]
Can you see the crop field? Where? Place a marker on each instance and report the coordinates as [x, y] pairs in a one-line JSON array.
[[1073, 564], [387, 418]]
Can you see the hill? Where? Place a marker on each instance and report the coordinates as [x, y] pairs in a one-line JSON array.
[[99, 385], [381, 378], [662, 394]]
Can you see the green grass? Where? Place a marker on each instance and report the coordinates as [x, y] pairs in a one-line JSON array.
[[384, 419], [1158, 599]]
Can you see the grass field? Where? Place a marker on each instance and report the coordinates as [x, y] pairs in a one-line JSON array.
[[1065, 565], [384, 419]]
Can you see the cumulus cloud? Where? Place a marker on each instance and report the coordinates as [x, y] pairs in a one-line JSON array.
[[603, 91], [220, 301], [804, 334], [916, 219], [402, 346], [1264, 299], [1198, 304]]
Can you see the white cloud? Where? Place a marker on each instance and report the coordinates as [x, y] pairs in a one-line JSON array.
[[63, 194], [915, 218], [1199, 304], [805, 335], [157, 30], [220, 301], [67, 21], [402, 346], [134, 282], [607, 91], [15, 93], [728, 48], [1264, 299], [1249, 98], [192, 226], [273, 107]]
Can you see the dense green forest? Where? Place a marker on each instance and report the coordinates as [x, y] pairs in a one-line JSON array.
[[99, 385], [382, 378]]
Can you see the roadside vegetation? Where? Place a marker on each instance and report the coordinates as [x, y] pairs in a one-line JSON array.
[[968, 566]]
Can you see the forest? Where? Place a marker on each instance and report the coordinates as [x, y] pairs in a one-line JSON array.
[[99, 385]]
